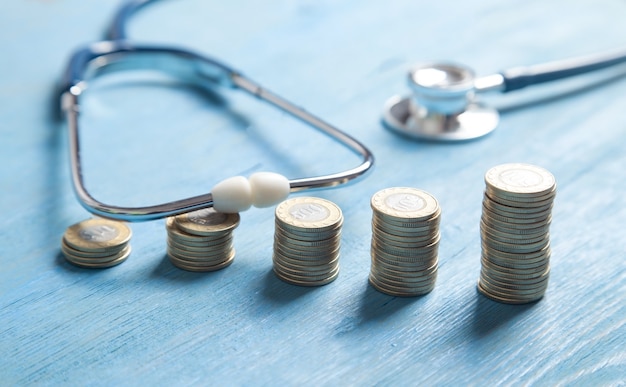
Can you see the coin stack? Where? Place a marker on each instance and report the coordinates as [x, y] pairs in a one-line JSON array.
[[517, 212], [201, 240], [306, 241], [96, 243], [405, 241]]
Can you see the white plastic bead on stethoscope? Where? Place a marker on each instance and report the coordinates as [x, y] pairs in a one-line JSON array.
[[261, 189]]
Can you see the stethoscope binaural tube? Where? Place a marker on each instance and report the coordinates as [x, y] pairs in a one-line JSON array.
[[118, 55], [443, 106]]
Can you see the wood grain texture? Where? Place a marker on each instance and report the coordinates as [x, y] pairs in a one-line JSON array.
[[147, 140]]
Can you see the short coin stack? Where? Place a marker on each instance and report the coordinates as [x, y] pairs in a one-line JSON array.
[[405, 241], [307, 240], [517, 212], [96, 243], [201, 240]]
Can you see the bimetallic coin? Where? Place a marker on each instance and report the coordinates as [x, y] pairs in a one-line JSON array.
[[515, 233], [308, 213], [97, 235], [506, 209], [519, 178], [67, 249], [405, 241], [202, 266], [307, 241], [308, 281], [403, 223], [520, 206], [100, 263], [507, 298], [400, 291], [176, 233], [206, 222], [201, 241], [409, 204]]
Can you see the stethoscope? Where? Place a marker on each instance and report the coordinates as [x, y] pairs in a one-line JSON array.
[[231, 195], [444, 107]]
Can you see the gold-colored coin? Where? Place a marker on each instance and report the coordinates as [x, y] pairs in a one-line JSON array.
[[97, 235]]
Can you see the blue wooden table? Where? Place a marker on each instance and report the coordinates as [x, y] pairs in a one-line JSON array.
[[147, 140]]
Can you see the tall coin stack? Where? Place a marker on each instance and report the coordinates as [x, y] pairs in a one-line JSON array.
[[306, 241], [201, 240], [405, 241], [96, 243], [517, 212]]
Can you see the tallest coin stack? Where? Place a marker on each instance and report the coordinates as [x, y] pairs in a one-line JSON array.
[[517, 212]]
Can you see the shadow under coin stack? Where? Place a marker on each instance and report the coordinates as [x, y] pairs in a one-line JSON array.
[[96, 243], [201, 240], [405, 241], [307, 240], [517, 212]]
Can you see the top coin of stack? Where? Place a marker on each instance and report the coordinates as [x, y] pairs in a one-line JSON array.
[[517, 212], [405, 241], [201, 240], [96, 243], [307, 241]]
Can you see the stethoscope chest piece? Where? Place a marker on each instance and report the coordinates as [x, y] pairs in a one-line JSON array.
[[442, 107]]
